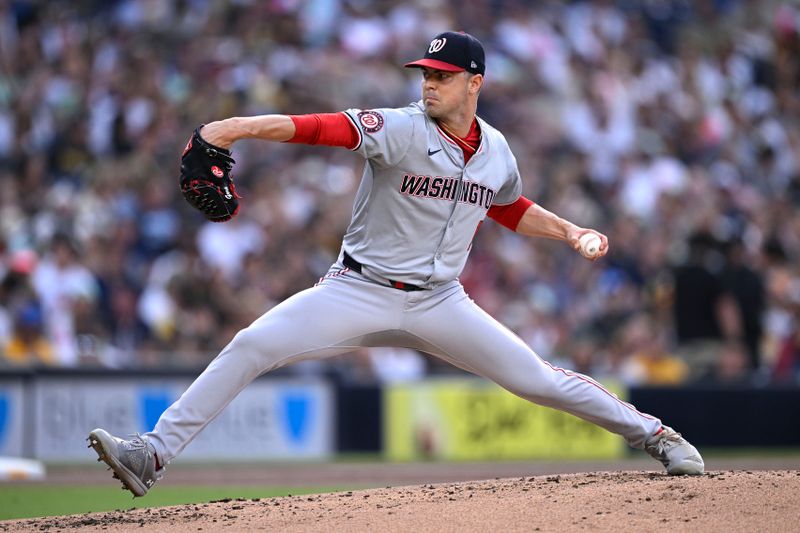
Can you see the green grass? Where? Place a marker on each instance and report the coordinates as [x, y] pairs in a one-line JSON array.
[[27, 501]]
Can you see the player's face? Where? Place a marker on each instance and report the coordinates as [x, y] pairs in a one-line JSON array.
[[444, 92]]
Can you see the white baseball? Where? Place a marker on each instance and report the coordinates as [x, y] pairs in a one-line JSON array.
[[590, 245]]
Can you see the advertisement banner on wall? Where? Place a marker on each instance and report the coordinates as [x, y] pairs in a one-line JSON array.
[[471, 419], [270, 419], [11, 418]]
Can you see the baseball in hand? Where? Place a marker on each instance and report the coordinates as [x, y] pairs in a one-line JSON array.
[[590, 245]]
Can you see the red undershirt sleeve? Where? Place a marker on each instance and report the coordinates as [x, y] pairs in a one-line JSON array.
[[510, 215], [328, 129]]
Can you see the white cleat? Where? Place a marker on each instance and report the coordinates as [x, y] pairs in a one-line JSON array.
[[675, 453]]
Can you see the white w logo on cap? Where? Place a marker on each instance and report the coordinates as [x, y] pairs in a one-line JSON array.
[[436, 45]]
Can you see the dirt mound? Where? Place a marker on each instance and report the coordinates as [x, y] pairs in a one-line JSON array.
[[609, 501]]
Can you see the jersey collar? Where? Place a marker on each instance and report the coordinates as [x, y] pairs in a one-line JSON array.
[[482, 147]]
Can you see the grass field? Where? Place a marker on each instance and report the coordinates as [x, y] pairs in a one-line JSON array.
[[83, 488], [26, 501]]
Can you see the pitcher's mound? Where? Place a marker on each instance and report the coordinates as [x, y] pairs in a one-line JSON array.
[[609, 501]]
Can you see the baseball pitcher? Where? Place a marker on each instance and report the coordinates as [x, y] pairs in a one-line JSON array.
[[433, 172]]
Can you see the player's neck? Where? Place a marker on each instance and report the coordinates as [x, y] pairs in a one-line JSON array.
[[458, 126]]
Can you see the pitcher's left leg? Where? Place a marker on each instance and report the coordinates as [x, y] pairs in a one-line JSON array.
[[461, 332]]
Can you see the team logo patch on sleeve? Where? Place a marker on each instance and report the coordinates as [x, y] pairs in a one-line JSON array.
[[371, 121]]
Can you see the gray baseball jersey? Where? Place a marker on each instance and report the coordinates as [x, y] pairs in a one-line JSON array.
[[418, 205], [415, 214]]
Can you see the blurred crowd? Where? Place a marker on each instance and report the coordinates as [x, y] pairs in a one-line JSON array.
[[671, 126]]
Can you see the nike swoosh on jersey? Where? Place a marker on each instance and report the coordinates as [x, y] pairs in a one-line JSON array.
[[431, 152]]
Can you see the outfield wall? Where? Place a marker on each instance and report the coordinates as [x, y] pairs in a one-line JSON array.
[[728, 416], [476, 420], [47, 415]]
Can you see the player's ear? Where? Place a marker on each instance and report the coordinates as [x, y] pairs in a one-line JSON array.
[[475, 83]]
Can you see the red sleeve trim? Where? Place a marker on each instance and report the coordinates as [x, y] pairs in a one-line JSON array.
[[328, 129], [509, 215]]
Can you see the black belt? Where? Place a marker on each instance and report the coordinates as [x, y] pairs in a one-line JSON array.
[[352, 264]]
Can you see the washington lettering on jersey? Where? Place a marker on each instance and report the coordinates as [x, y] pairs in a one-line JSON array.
[[446, 188]]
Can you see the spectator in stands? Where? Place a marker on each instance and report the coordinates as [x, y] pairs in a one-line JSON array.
[[787, 366], [648, 119], [63, 284], [28, 345], [733, 365], [703, 312], [648, 361], [783, 325], [746, 286]]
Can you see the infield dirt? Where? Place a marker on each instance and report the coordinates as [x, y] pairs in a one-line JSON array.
[[724, 501]]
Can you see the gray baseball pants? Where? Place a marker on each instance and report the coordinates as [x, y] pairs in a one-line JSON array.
[[346, 311]]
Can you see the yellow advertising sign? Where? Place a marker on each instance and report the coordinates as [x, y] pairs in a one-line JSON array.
[[472, 419]]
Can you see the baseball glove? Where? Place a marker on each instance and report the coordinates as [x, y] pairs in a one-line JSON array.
[[206, 180]]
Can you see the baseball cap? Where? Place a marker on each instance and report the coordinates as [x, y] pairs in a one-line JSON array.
[[453, 52]]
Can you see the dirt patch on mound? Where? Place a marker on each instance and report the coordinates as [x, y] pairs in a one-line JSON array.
[[609, 501]]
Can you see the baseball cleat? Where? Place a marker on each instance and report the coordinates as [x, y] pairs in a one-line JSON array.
[[133, 461], [675, 453]]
